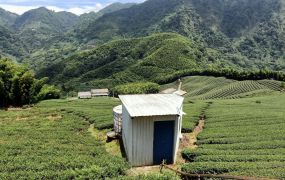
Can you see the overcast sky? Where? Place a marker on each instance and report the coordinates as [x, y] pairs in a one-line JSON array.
[[74, 6]]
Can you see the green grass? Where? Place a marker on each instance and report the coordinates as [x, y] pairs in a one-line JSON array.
[[242, 137], [48, 142]]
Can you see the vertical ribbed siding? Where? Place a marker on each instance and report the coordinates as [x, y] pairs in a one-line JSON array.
[[176, 137], [142, 149], [142, 139], [138, 137], [126, 130]]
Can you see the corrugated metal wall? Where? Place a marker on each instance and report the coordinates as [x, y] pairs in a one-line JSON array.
[[138, 137], [126, 132], [142, 143], [142, 139]]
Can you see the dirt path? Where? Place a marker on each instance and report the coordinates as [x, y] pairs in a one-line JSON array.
[[189, 140], [197, 130]]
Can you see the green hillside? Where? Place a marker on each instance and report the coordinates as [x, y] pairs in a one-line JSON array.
[[58, 22], [241, 137], [248, 33], [38, 32], [205, 88], [40, 28], [10, 44], [7, 18], [141, 59]]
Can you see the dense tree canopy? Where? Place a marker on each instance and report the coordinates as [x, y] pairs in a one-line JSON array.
[[18, 85]]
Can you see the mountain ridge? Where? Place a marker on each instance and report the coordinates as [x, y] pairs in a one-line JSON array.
[[244, 30], [42, 29], [239, 34]]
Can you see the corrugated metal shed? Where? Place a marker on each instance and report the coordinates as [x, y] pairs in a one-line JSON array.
[[152, 105], [84, 95], [140, 113], [100, 92]]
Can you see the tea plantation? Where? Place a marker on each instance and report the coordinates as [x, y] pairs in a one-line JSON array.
[[242, 137], [51, 141], [243, 134], [244, 128], [98, 111], [206, 87]]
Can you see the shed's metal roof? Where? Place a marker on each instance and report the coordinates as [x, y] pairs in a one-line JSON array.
[[152, 104], [84, 93], [99, 91]]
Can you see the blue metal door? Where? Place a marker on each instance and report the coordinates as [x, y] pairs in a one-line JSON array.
[[163, 142]]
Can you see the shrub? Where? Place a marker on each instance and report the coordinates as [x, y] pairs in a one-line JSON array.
[[189, 154], [49, 92]]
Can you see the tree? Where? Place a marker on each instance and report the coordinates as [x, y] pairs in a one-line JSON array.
[[49, 92], [26, 83], [283, 85], [2, 93], [18, 85]]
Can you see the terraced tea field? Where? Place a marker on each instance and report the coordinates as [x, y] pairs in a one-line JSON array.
[[242, 137], [98, 111], [50, 141], [203, 87]]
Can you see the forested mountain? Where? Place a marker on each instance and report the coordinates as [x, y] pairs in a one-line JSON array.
[[240, 34], [10, 44], [56, 21], [249, 33], [89, 18], [115, 7], [41, 30], [150, 58], [7, 18], [41, 27]]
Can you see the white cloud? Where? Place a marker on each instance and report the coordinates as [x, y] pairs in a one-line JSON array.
[[17, 9], [76, 10], [85, 9]]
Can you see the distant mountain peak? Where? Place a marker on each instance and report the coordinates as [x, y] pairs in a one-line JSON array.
[[115, 7], [7, 18]]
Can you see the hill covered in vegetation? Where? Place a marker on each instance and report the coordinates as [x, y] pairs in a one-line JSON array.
[[237, 34], [7, 18], [207, 87], [25, 36], [140, 59], [248, 33]]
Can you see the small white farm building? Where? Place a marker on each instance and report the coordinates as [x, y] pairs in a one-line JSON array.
[[99, 92], [84, 95], [151, 127]]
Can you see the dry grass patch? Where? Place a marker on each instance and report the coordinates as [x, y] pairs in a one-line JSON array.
[[54, 117]]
